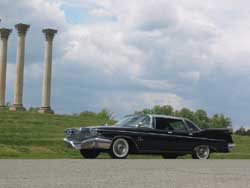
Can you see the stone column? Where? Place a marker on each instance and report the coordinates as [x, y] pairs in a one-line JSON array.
[[46, 93], [18, 92], [4, 35]]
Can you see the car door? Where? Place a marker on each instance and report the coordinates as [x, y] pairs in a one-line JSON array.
[[145, 138], [181, 138], [173, 134]]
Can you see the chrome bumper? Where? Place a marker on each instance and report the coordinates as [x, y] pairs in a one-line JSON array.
[[231, 146], [92, 143], [71, 144]]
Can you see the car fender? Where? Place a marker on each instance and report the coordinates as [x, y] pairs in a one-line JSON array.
[[128, 138]]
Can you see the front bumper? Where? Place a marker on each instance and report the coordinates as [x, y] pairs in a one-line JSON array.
[[231, 147], [92, 143]]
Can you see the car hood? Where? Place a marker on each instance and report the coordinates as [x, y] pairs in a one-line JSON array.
[[103, 127]]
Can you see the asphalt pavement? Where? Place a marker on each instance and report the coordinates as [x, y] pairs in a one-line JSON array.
[[131, 173]]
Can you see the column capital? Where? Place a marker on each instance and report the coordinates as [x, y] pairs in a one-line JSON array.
[[22, 28], [4, 33], [49, 33]]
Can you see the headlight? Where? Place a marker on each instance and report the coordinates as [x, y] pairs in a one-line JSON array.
[[68, 132]]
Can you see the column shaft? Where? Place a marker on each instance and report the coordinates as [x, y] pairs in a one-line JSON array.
[[3, 66], [18, 96], [46, 93], [4, 35], [20, 56], [47, 75]]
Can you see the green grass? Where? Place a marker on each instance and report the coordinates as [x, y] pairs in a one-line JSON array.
[[32, 135]]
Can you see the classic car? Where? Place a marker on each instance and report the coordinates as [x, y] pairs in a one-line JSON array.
[[149, 134]]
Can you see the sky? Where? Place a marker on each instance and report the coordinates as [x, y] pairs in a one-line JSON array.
[[129, 55]]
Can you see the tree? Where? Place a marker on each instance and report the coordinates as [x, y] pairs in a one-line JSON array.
[[241, 131], [144, 111], [186, 113], [105, 114], [220, 121], [199, 117], [168, 110], [248, 132]]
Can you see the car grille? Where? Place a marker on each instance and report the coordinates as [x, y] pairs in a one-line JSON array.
[[77, 135]]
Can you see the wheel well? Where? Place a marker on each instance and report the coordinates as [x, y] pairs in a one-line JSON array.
[[212, 148], [132, 145]]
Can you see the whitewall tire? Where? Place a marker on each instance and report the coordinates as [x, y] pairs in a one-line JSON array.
[[201, 152], [119, 149]]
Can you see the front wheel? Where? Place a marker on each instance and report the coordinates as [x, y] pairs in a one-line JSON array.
[[119, 149], [89, 154], [201, 152]]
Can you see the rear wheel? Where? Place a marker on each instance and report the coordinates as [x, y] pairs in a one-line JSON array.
[[201, 152], [89, 154], [170, 156], [119, 149]]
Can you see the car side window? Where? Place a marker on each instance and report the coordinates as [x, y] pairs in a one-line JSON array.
[[191, 126], [170, 124], [177, 125], [162, 124], [145, 122]]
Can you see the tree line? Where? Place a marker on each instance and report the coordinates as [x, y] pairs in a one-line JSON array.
[[199, 117], [242, 131]]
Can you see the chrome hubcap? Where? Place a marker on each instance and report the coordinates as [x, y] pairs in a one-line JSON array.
[[202, 152], [120, 147]]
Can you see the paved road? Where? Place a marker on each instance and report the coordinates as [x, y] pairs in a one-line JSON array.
[[135, 173]]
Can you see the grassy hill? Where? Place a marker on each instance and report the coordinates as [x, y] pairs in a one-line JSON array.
[[33, 135]]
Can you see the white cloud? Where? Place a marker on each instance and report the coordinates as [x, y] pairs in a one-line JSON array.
[[128, 102], [100, 12], [193, 75], [149, 53]]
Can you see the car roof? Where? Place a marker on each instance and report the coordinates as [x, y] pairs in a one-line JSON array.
[[159, 116], [165, 116]]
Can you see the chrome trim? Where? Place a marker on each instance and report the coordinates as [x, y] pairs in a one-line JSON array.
[[161, 134], [231, 146], [151, 121], [92, 143], [96, 143], [71, 144]]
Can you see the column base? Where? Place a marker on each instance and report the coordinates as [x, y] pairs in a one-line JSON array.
[[3, 108], [46, 110], [17, 107]]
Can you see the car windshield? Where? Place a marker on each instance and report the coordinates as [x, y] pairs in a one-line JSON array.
[[135, 121]]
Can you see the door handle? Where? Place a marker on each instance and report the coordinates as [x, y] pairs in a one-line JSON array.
[[170, 132]]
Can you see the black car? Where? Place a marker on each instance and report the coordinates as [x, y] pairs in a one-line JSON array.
[[149, 134]]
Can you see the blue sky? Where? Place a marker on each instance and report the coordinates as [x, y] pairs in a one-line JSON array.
[[75, 14], [128, 55]]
